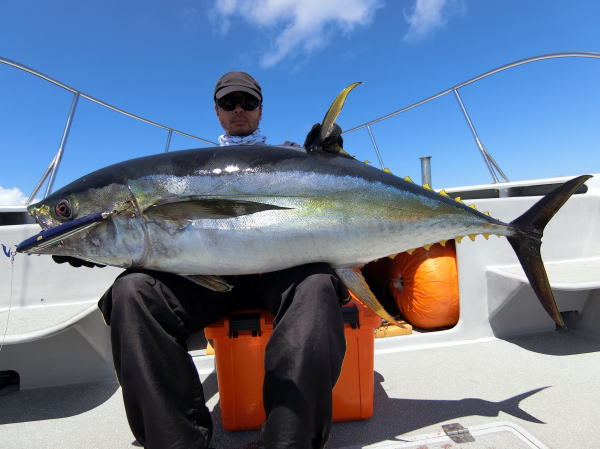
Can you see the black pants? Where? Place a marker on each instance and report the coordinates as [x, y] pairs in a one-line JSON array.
[[152, 314]]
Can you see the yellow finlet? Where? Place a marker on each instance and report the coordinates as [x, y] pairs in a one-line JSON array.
[[392, 256], [459, 238], [443, 242], [426, 186], [472, 237], [486, 236], [472, 206], [486, 213], [427, 247], [367, 161], [410, 251], [407, 178], [458, 199], [387, 170], [443, 193]]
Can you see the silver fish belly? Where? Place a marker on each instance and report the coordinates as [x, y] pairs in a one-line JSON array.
[[342, 220]]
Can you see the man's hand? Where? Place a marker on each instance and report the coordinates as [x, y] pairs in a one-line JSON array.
[[75, 262], [332, 143]]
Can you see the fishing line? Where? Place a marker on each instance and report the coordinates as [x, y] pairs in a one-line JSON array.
[[13, 253]]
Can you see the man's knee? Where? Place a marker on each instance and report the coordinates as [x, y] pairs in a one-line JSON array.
[[126, 294], [131, 284], [314, 275], [322, 284]]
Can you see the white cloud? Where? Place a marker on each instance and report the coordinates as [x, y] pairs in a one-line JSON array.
[[11, 197], [305, 25], [428, 16]]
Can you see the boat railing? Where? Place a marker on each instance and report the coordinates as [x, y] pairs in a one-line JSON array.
[[491, 164], [77, 94]]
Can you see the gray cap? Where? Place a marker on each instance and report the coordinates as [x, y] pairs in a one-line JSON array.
[[237, 82]]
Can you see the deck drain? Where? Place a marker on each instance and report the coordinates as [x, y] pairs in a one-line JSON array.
[[458, 433], [500, 435]]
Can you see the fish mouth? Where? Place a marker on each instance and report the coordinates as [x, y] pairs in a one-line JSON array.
[[54, 236]]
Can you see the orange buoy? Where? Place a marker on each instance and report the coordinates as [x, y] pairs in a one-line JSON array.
[[425, 286]]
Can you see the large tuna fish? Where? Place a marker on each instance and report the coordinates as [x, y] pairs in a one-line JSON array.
[[251, 209]]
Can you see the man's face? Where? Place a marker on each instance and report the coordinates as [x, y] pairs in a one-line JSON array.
[[239, 121]]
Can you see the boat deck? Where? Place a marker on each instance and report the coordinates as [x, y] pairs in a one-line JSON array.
[[535, 391]]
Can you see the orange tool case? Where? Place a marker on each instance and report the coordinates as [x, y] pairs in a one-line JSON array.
[[239, 342]]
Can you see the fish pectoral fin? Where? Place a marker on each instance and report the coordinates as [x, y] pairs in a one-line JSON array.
[[214, 283], [206, 208], [356, 282]]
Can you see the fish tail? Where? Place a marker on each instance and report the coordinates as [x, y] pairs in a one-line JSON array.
[[527, 241]]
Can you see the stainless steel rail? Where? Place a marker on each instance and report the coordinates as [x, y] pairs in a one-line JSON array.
[[491, 164], [53, 167], [489, 161]]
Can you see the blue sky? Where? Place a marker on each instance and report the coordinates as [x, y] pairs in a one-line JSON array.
[[160, 59]]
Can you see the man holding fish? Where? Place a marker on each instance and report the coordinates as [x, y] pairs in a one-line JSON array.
[[152, 313], [289, 228]]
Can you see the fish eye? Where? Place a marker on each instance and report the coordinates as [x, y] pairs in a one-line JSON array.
[[63, 209]]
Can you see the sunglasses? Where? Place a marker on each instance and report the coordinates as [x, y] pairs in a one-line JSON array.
[[247, 102]]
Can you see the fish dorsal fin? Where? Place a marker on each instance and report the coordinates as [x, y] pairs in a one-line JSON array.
[[195, 208], [327, 135], [355, 281], [334, 110]]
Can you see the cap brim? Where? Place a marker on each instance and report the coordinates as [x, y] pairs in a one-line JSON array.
[[229, 89]]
